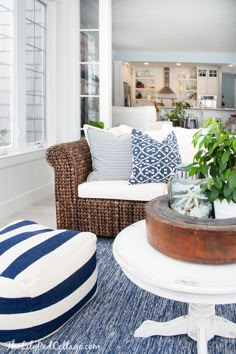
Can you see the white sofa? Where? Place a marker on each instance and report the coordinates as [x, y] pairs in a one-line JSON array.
[[120, 189], [103, 207], [144, 117]]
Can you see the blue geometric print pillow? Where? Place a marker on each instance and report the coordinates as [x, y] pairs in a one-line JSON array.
[[153, 162]]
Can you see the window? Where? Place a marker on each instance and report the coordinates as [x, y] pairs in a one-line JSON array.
[[22, 73], [202, 72], [89, 61], [6, 72], [212, 73], [35, 71]]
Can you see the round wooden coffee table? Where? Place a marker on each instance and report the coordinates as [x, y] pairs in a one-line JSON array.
[[200, 285]]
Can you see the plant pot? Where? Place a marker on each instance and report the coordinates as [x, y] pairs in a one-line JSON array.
[[224, 210], [175, 122]]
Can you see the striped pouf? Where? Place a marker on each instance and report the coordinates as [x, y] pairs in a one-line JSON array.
[[46, 276]]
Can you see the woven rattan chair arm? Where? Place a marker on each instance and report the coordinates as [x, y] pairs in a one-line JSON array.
[[72, 164]]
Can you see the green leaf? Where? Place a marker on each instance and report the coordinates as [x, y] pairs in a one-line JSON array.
[[198, 155], [226, 191], [214, 194], [234, 145], [213, 147], [209, 183], [232, 180], [98, 124], [218, 183], [196, 138], [234, 196], [204, 170], [213, 170], [193, 171], [227, 173], [207, 122], [225, 157]]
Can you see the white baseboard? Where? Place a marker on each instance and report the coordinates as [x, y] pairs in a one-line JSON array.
[[24, 200]]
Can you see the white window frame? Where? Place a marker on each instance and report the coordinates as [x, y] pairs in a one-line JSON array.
[[20, 146], [43, 77], [105, 62], [12, 115]]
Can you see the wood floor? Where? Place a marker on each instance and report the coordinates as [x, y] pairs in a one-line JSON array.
[[42, 212]]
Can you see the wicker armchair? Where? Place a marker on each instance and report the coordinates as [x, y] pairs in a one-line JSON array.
[[72, 164]]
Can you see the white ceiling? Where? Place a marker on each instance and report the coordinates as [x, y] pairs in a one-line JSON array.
[[176, 26]]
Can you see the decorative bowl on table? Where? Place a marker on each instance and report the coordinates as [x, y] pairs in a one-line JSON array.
[[190, 239]]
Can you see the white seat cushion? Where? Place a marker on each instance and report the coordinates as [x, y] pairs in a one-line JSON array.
[[121, 190]]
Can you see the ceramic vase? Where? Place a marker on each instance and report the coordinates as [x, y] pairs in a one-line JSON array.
[[224, 209]]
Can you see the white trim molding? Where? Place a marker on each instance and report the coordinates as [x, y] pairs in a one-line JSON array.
[[21, 201], [105, 60]]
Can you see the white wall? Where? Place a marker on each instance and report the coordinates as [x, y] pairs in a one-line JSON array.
[[173, 57], [24, 179], [67, 120]]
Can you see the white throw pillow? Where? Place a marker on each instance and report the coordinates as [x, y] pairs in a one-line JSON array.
[[184, 137], [157, 134], [121, 129]]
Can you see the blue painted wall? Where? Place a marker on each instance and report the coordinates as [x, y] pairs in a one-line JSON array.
[[228, 89], [187, 57]]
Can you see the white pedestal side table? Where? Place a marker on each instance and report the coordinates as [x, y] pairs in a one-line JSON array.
[[201, 286]]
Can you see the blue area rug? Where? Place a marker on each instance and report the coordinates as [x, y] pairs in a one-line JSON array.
[[106, 325]]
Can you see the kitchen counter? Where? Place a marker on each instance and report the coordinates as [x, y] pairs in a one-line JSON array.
[[202, 113], [201, 109]]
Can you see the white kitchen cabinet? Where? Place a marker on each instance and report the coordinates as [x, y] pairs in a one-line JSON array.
[[207, 81]]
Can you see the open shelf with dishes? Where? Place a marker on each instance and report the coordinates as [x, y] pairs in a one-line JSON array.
[[145, 87], [187, 85], [188, 90]]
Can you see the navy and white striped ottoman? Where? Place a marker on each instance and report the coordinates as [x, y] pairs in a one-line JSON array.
[[46, 276]]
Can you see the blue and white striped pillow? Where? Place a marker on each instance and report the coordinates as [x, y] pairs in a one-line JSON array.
[[46, 276], [111, 154]]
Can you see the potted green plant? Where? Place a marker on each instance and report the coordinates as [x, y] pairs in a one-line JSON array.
[[215, 160], [97, 124], [179, 112]]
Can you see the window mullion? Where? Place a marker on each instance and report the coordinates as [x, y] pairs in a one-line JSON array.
[[20, 107], [35, 19]]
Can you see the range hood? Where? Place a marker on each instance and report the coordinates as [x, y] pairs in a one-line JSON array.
[[166, 91]]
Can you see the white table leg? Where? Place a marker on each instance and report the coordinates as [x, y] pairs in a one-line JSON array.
[[202, 341], [224, 327], [169, 328], [201, 324]]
